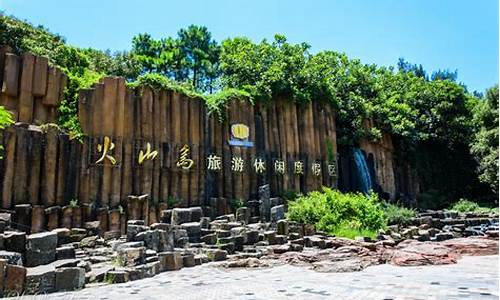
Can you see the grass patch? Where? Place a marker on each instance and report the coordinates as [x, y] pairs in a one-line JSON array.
[[351, 232]]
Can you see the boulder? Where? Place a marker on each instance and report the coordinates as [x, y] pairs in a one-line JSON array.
[[193, 230], [40, 280], [216, 254], [277, 213], [116, 276], [243, 215], [93, 228], [170, 261], [41, 248], [209, 239], [14, 241], [188, 260], [3, 264], [181, 215], [134, 229], [196, 213], [252, 237], [265, 202], [89, 242], [282, 227], [270, 236], [63, 235], [15, 278], [132, 256], [65, 252], [69, 279]]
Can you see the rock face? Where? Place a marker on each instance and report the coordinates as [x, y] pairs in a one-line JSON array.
[[15, 277], [412, 253], [69, 279], [40, 280], [41, 248]]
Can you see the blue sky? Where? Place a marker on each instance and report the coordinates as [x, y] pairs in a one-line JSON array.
[[440, 34]]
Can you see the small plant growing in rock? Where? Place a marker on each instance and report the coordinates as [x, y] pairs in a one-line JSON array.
[[73, 203], [118, 261], [172, 201], [109, 278], [236, 203]]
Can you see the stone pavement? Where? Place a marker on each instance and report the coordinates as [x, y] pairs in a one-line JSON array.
[[471, 278]]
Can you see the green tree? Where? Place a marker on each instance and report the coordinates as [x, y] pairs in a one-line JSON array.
[[484, 145]]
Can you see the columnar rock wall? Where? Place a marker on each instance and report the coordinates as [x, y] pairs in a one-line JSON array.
[[141, 141], [30, 88], [381, 154]]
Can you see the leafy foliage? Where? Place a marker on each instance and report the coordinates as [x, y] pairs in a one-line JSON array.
[[397, 214], [332, 211], [484, 145], [464, 205]]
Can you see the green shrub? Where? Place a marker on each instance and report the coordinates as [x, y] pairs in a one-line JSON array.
[[396, 214], [236, 203], [340, 214], [464, 205]]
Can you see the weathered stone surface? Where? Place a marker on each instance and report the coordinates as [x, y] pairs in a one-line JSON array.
[[132, 256], [170, 261], [282, 227], [89, 242], [188, 260], [3, 264], [243, 215], [134, 229], [196, 213], [181, 215], [15, 241], [41, 248], [270, 236], [65, 252], [15, 277], [93, 228], [252, 237], [193, 230], [69, 279], [472, 246], [277, 213], [13, 258], [117, 276], [216, 255], [63, 235], [414, 253], [246, 263], [339, 266], [40, 280], [209, 239], [265, 202]]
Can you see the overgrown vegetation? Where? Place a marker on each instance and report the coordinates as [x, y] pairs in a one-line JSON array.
[[464, 205], [340, 214], [450, 136], [5, 121], [397, 214]]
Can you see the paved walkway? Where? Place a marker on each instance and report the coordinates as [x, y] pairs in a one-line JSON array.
[[471, 278]]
